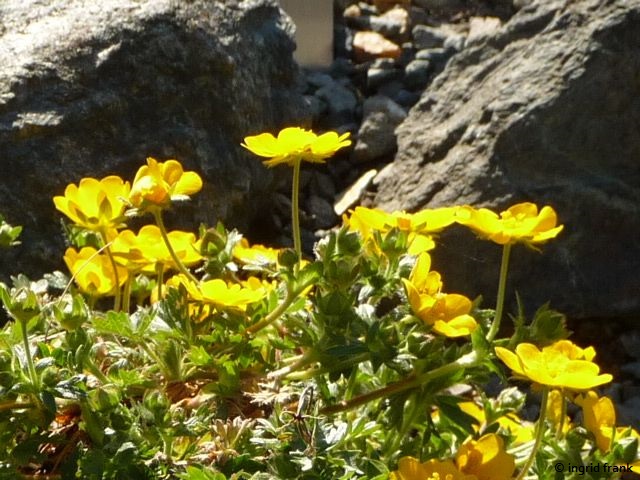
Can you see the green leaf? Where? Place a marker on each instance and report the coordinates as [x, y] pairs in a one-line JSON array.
[[115, 323], [548, 326], [308, 276], [449, 408], [199, 356], [198, 473]]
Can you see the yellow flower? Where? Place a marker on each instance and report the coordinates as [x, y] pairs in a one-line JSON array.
[[144, 251], [556, 413], [258, 255], [410, 468], [599, 418], [511, 423], [325, 146], [93, 272], [97, 205], [519, 223], [482, 459], [223, 295], [448, 314], [158, 183], [419, 226], [486, 458], [294, 144], [561, 365]]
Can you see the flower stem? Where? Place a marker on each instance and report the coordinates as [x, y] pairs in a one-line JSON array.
[[563, 414], [274, 315], [116, 277], [33, 375], [539, 435], [502, 287], [337, 366], [159, 278], [411, 381], [126, 294], [13, 405], [295, 210], [157, 215], [301, 361]]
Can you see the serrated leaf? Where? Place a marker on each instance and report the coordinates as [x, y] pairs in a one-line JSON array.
[[116, 323]]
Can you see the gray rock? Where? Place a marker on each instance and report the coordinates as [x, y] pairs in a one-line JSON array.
[[376, 137], [321, 211], [454, 43], [433, 55], [428, 37], [315, 106], [341, 67], [396, 92], [441, 6], [384, 63], [339, 98], [391, 27], [417, 74], [318, 80], [377, 77], [93, 88], [547, 110], [322, 186]]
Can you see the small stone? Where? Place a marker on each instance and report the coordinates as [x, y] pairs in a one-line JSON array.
[[405, 98], [318, 79], [321, 211], [408, 54], [341, 67], [380, 76], [339, 99], [354, 193], [455, 43], [428, 37], [384, 63], [370, 45], [417, 73], [434, 55], [384, 5], [392, 24], [376, 137], [352, 11], [481, 28], [391, 89]]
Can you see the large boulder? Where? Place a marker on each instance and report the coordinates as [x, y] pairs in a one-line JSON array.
[[93, 88], [547, 109]]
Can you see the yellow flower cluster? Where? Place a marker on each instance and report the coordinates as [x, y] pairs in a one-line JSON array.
[[101, 206], [419, 227], [448, 314], [482, 459], [520, 223]]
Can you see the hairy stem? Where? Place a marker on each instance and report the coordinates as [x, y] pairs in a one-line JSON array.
[[502, 287], [538, 437]]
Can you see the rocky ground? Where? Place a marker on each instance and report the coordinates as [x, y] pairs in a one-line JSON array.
[[386, 55]]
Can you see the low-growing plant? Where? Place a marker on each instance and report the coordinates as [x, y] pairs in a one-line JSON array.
[[221, 359]]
